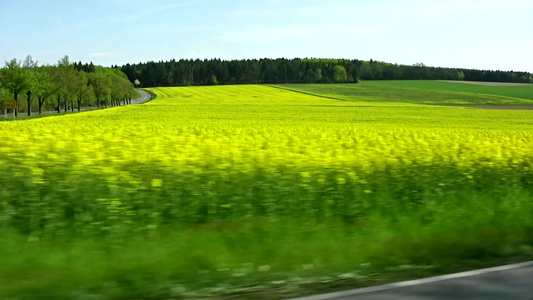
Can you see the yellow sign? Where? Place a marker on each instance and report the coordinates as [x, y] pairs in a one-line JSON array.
[[10, 104]]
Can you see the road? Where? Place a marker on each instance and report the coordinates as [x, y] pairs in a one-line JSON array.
[[506, 282], [144, 97]]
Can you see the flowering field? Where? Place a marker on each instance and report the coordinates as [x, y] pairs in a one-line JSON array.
[[207, 184]]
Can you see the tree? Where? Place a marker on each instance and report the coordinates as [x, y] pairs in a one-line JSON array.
[[311, 76], [46, 84], [29, 65], [66, 79], [29, 62], [121, 87], [4, 95], [319, 75], [339, 74], [214, 80], [91, 68], [15, 79], [100, 85], [82, 89]]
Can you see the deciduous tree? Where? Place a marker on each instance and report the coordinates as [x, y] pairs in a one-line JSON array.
[[82, 89], [29, 66], [340, 75], [45, 84], [66, 79], [101, 87], [15, 79]]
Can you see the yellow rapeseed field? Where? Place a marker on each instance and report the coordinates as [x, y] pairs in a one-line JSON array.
[[207, 179], [251, 150]]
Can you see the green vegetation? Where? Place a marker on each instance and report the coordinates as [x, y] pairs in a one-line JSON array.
[[228, 189], [50, 113], [185, 72], [523, 91], [65, 86], [421, 92]]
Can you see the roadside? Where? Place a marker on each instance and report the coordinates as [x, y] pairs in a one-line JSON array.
[[144, 97], [504, 282]]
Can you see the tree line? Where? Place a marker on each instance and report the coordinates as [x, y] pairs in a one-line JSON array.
[[65, 85], [373, 70], [185, 72]]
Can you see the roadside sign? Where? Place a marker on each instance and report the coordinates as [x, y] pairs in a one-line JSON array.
[[10, 104]]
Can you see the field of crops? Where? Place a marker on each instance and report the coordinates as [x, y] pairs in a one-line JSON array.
[[512, 90], [208, 189], [423, 92]]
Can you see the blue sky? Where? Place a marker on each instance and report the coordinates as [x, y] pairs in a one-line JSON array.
[[481, 34]]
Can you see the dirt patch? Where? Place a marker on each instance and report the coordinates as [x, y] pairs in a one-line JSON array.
[[483, 83]]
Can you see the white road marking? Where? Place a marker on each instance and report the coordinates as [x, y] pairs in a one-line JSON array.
[[392, 286]]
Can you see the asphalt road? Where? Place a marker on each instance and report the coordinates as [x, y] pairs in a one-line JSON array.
[[501, 283], [144, 97]]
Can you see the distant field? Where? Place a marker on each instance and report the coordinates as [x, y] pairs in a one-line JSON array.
[[250, 192], [523, 91], [487, 83], [422, 92]]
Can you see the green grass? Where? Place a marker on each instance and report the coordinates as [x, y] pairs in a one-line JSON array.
[[258, 192], [420, 92], [518, 91], [267, 261]]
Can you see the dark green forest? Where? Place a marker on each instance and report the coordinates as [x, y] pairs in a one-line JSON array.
[[185, 72]]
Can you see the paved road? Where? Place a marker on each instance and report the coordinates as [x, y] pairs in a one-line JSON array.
[[501, 283], [144, 97]]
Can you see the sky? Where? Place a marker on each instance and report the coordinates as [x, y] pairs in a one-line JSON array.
[[478, 34]]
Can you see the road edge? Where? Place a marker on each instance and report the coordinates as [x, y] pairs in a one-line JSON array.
[[396, 285]]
